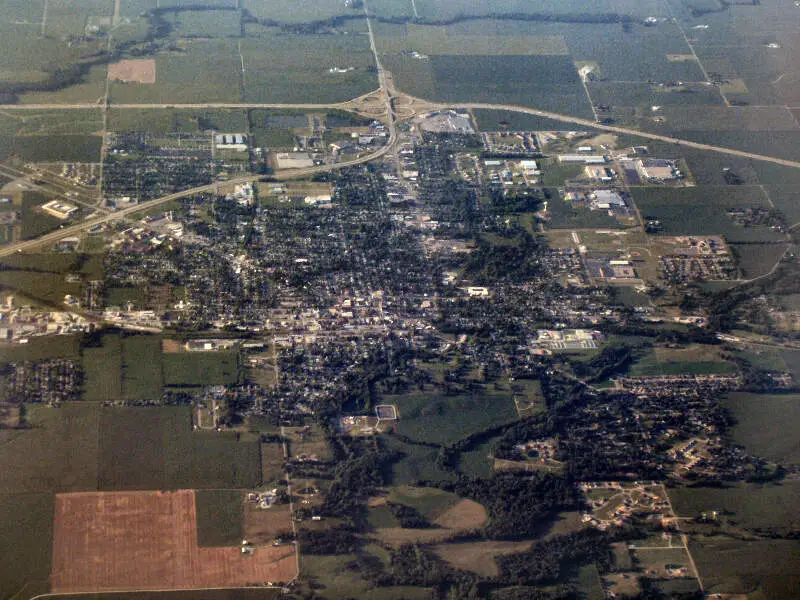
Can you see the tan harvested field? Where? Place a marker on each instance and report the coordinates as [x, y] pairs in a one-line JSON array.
[[146, 541], [465, 514], [133, 71], [262, 525], [478, 557], [171, 346]]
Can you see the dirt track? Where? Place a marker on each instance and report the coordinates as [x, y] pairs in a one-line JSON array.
[[148, 540]]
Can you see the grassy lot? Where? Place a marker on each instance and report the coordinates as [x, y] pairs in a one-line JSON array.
[[201, 368], [446, 419], [26, 529], [102, 370], [220, 517], [52, 148], [762, 423], [694, 360], [765, 569], [177, 457], [42, 348], [703, 211], [45, 288], [58, 453]]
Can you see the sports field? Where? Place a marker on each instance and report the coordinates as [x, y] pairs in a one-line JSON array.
[[148, 540]]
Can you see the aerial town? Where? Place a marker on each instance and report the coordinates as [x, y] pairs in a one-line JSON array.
[[284, 334]]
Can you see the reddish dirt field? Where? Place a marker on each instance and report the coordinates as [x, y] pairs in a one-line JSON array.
[[146, 541], [141, 70]]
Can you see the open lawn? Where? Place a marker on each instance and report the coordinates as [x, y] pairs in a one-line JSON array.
[[446, 419]]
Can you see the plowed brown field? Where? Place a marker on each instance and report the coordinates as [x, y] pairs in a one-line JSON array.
[[146, 541]]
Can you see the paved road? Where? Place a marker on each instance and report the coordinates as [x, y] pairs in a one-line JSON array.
[[626, 131], [77, 228]]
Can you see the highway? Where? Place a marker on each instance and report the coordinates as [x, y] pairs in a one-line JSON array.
[[389, 98]]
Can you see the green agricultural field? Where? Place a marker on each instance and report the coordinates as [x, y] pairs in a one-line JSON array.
[[564, 215], [301, 11], [771, 506], [703, 211], [429, 502], [332, 579], [201, 368], [56, 123], [26, 530], [59, 453], [694, 360], [154, 120], [767, 569], [762, 423], [755, 260], [141, 368], [296, 69], [220, 517], [546, 82], [206, 70], [505, 120], [176, 457], [45, 288], [448, 40], [52, 148], [447, 419], [102, 370], [89, 89], [416, 463], [206, 23]]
